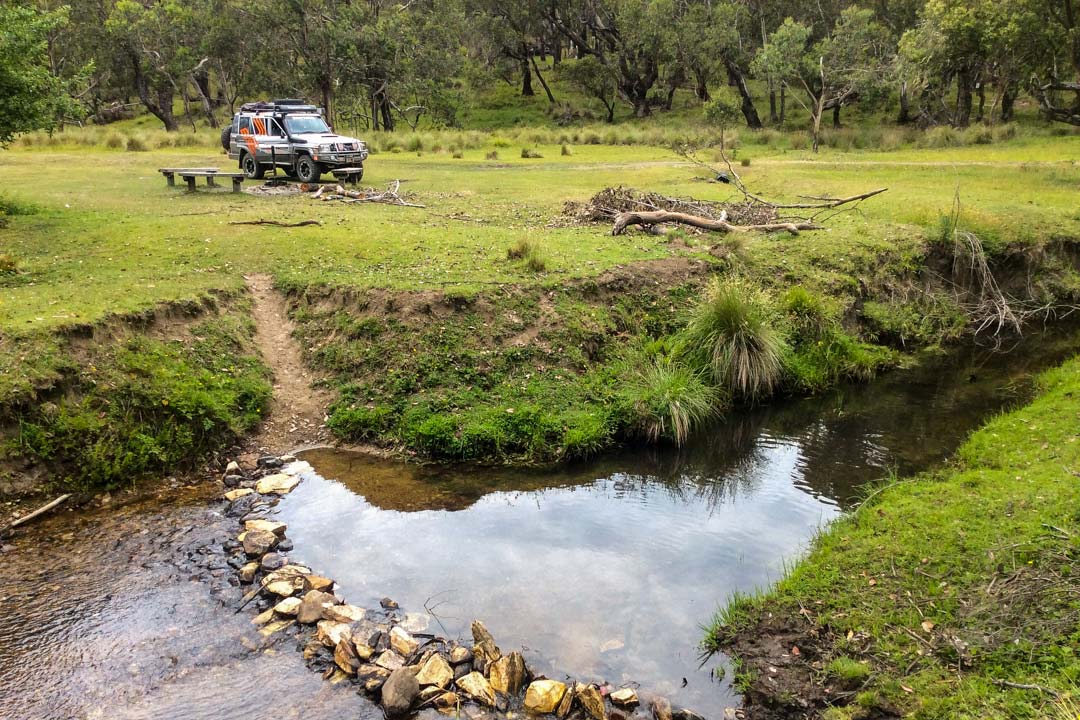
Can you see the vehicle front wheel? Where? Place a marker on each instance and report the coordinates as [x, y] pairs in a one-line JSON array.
[[307, 170], [251, 168]]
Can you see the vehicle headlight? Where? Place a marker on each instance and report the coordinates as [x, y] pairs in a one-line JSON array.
[[326, 148]]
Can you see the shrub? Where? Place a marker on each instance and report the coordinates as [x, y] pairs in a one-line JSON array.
[[800, 140], [493, 155], [114, 141], [745, 162], [457, 155], [135, 144], [670, 400], [730, 335], [8, 264], [565, 151]]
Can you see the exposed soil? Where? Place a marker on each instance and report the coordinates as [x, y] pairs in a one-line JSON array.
[[298, 409]]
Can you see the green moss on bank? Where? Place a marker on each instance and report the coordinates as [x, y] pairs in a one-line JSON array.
[[945, 585], [134, 405]]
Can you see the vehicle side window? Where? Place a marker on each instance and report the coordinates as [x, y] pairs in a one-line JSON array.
[[236, 124], [245, 125], [272, 128]]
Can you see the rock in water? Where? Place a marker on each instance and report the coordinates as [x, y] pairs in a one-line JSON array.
[[544, 696], [278, 528], [399, 691], [318, 582], [269, 461], [288, 606], [627, 697], [390, 660], [273, 561], [278, 484], [311, 609], [661, 708], [460, 655], [507, 674], [477, 687], [590, 698], [258, 542], [403, 642], [330, 633], [238, 493], [436, 671], [345, 656], [343, 613], [485, 643], [565, 704]]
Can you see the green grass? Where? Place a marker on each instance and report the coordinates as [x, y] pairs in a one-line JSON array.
[[942, 584]]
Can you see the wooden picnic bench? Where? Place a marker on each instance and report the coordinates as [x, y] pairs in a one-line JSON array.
[[348, 175], [189, 175]]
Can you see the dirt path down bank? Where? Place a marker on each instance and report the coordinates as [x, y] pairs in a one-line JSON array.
[[298, 410]]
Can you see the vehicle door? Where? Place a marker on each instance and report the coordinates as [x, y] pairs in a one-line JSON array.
[[246, 139], [274, 144]]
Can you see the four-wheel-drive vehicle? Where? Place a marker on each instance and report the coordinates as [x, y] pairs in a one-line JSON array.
[[291, 135]]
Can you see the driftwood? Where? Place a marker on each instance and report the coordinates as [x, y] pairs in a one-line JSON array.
[[390, 196], [655, 217], [276, 223], [40, 511]]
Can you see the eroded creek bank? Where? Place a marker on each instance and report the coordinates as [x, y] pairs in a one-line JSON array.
[[599, 572]]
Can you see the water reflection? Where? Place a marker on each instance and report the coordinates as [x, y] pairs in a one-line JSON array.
[[608, 570]]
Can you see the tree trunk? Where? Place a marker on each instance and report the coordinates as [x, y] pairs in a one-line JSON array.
[[387, 116], [161, 106], [836, 116], [701, 86], [543, 83], [773, 117], [526, 76], [1008, 101], [674, 81], [982, 101], [818, 111], [556, 50], [963, 98], [736, 79], [201, 81], [783, 103], [610, 109], [904, 117]]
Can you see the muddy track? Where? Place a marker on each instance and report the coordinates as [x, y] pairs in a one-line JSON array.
[[298, 410]]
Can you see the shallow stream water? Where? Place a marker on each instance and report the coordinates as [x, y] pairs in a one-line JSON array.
[[606, 570]]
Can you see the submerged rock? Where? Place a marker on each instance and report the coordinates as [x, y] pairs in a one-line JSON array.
[[507, 674], [661, 708], [399, 691], [477, 687], [544, 696], [278, 484], [436, 671], [388, 604]]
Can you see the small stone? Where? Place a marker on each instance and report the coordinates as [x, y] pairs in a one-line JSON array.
[[590, 698], [399, 691], [279, 484], [460, 654], [278, 528], [390, 660], [345, 656], [330, 633], [274, 627], [233, 468], [565, 704], [311, 610], [269, 461], [403, 642], [344, 613], [258, 542], [436, 671], [627, 697], [285, 545], [231, 481], [372, 677], [485, 643], [363, 651], [507, 674], [288, 606], [284, 588], [264, 617], [288, 458], [462, 669], [477, 687], [447, 700], [388, 604], [273, 561], [247, 573], [318, 582], [237, 493], [686, 714], [544, 696]]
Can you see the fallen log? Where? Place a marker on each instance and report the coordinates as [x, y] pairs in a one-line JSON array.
[[276, 223], [40, 511], [655, 217]]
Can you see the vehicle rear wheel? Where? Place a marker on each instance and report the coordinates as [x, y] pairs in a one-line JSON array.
[[226, 136], [251, 168], [307, 170]]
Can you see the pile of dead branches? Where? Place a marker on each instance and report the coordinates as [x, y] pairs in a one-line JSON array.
[[390, 196], [609, 203]]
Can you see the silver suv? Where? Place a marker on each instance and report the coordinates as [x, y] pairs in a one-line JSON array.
[[291, 135]]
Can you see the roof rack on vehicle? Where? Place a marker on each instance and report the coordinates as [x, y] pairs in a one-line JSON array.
[[281, 105]]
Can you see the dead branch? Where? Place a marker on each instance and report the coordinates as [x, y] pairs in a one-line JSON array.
[[40, 511], [623, 220], [390, 196], [276, 223], [1025, 686]]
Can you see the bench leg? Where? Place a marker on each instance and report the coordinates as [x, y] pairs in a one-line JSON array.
[[236, 184], [171, 180], [210, 181], [190, 183]]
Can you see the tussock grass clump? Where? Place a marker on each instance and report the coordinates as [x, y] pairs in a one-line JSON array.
[[527, 154], [493, 155], [566, 151], [670, 400], [8, 264], [529, 252], [114, 141], [730, 335], [135, 144]]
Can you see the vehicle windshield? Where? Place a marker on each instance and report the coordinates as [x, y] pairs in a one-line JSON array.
[[308, 124]]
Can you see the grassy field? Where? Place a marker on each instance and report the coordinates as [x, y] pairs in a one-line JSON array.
[[93, 232], [949, 595]]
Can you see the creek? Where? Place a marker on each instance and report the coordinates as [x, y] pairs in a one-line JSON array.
[[602, 571]]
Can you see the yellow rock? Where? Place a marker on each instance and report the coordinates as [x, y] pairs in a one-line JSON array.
[[477, 687], [330, 633], [436, 671], [274, 627], [263, 617], [318, 582], [285, 588], [403, 642], [278, 528], [277, 484], [590, 698], [543, 696], [507, 674], [247, 573], [231, 495], [344, 613], [626, 697], [288, 606]]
